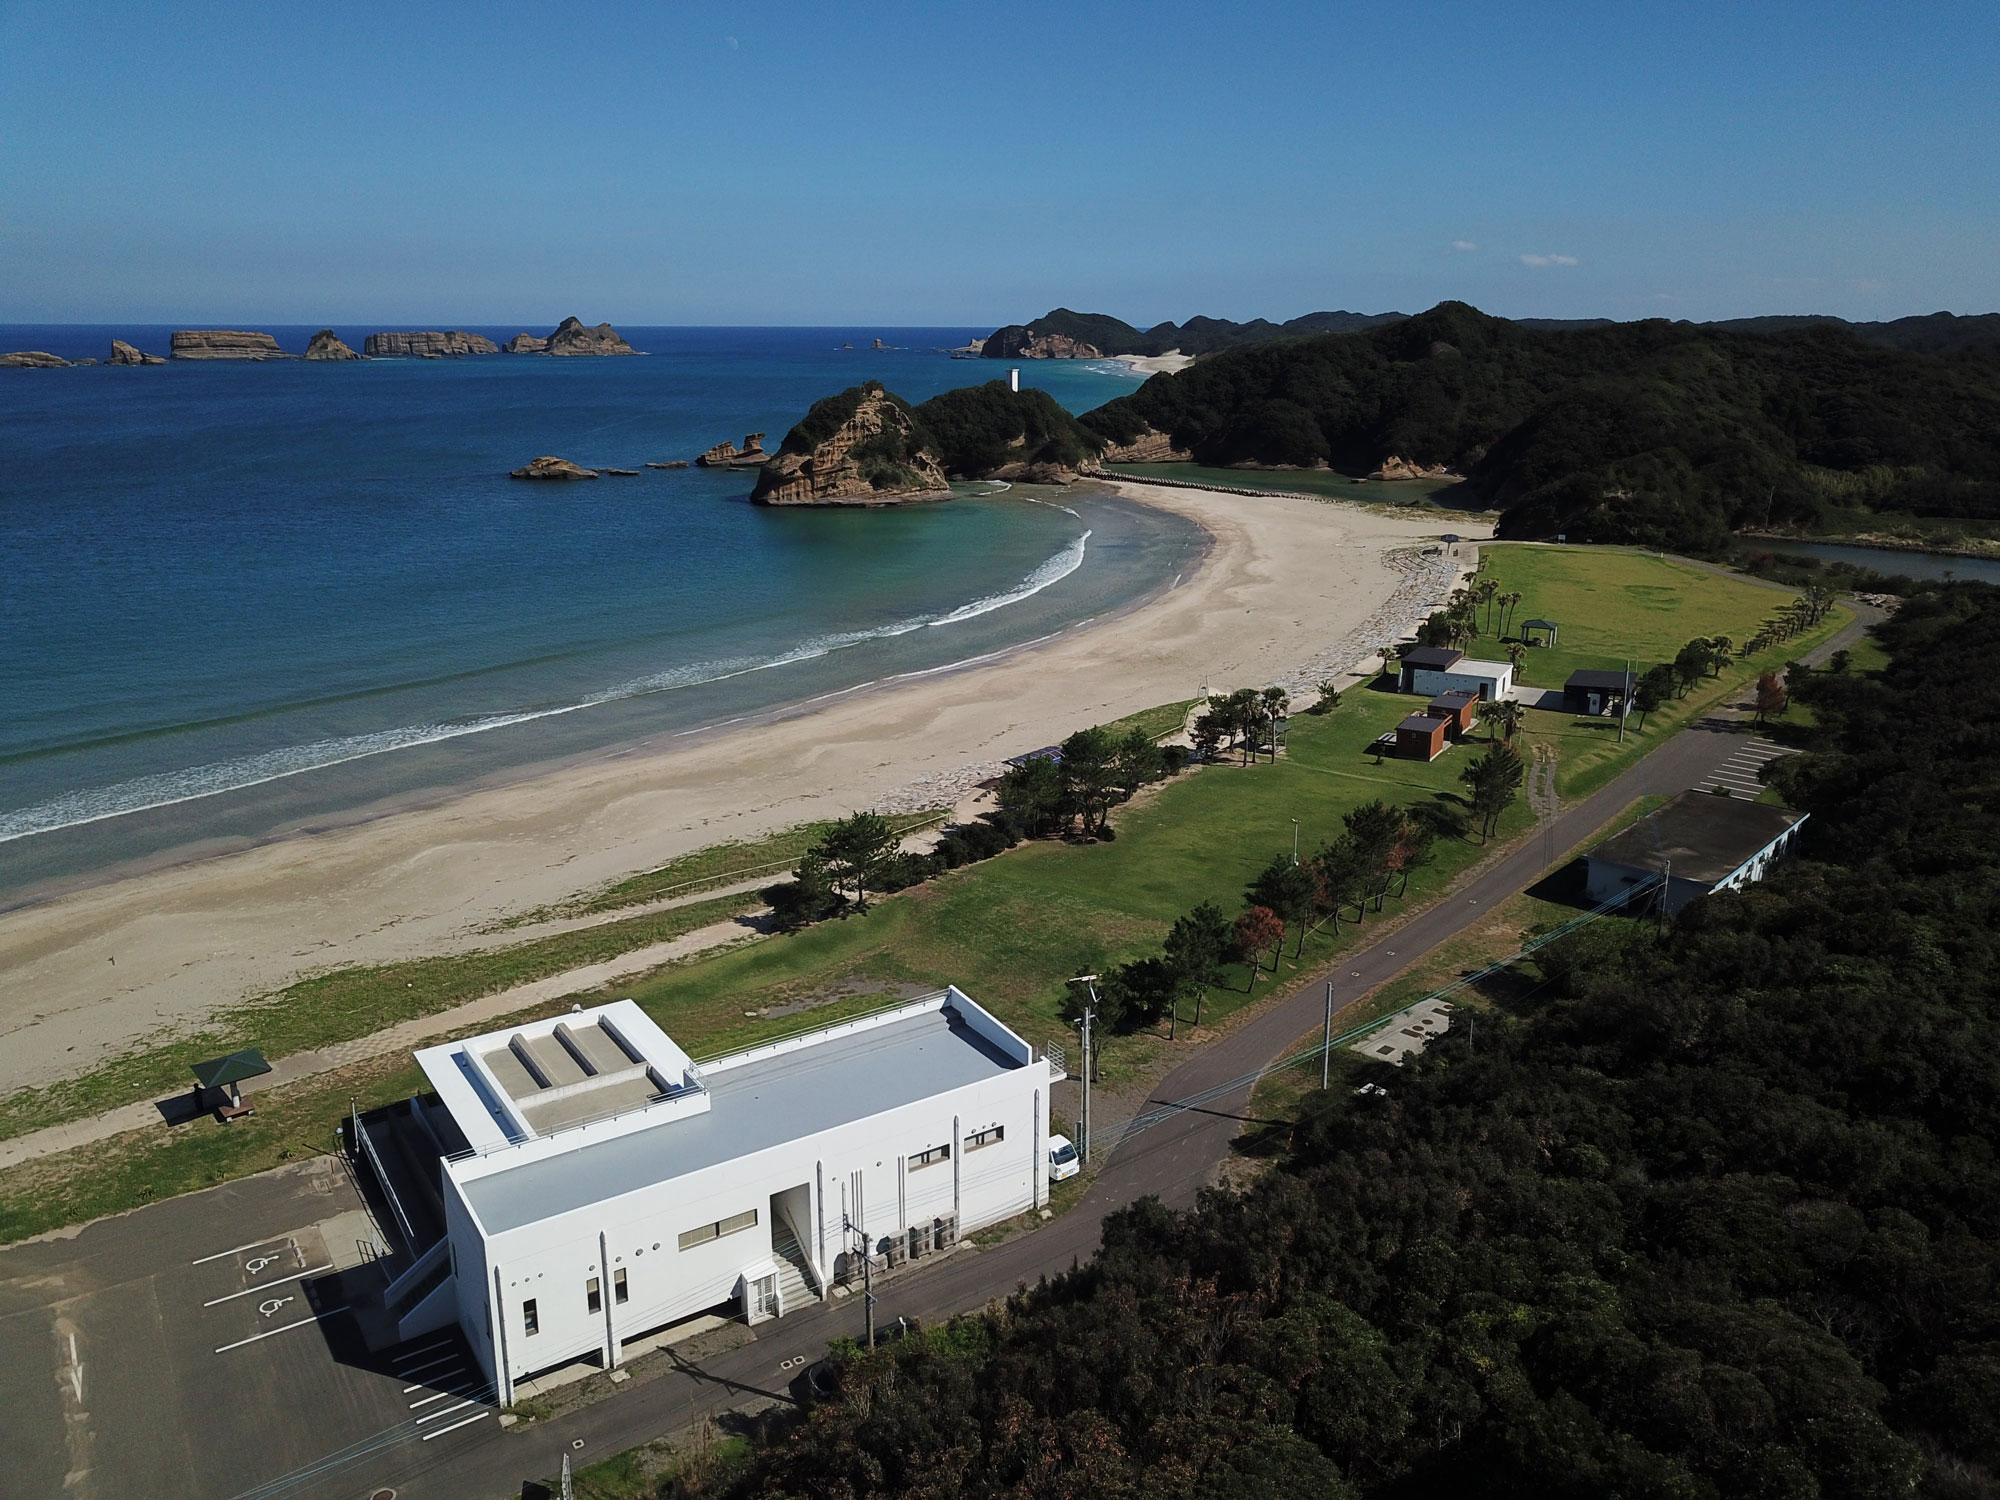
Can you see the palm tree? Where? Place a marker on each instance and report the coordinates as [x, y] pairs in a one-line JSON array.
[[1516, 654], [1507, 714], [1486, 593]]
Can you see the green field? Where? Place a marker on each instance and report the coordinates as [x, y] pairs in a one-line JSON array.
[[1428, 494]]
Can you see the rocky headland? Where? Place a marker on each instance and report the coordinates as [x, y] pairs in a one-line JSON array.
[[327, 346], [225, 343], [861, 447], [729, 456], [1148, 447], [123, 353], [450, 345], [548, 467], [1403, 468]]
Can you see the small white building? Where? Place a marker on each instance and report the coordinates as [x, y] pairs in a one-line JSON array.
[[1431, 670], [608, 1186], [1702, 843]]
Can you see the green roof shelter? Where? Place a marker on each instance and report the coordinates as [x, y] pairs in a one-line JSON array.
[[229, 1071], [1529, 627]]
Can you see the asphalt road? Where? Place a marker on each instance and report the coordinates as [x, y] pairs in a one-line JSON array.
[[119, 1376]]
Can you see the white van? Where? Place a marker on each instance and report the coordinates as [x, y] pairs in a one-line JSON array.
[[1062, 1159]]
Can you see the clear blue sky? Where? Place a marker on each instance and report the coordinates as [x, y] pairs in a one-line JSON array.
[[946, 163]]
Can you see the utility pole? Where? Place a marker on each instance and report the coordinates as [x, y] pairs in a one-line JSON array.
[[867, 1276], [1089, 983], [1295, 841], [1326, 1038], [1625, 704]]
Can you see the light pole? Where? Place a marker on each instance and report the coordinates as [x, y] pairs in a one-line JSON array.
[[867, 1275], [1089, 983], [1295, 841]]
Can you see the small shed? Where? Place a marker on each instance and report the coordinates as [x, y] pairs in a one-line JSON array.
[[1421, 737], [1530, 627], [1589, 691], [1426, 659], [1701, 842], [1458, 707]]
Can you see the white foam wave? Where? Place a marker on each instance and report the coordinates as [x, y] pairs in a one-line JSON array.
[[166, 788]]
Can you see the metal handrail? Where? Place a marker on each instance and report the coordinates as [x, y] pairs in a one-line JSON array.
[[381, 1176]]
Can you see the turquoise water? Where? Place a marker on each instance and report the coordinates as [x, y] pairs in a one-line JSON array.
[[244, 599], [1891, 561]]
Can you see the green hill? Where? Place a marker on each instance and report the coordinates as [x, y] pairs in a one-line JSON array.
[[981, 428], [1660, 433]]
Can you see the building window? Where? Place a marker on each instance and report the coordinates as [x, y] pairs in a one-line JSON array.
[[992, 1135], [731, 1225], [619, 1291], [931, 1157], [594, 1295], [530, 1319]]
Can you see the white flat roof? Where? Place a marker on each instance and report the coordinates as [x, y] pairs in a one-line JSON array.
[[755, 1100]]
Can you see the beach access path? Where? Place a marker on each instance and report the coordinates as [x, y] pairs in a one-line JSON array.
[[97, 971]]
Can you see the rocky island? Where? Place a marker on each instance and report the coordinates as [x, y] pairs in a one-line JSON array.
[[326, 347], [525, 343], [450, 345], [225, 343], [861, 447], [548, 467], [729, 456], [33, 359], [123, 353], [570, 338]]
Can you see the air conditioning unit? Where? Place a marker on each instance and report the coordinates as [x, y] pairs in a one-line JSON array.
[[899, 1250], [945, 1231], [920, 1241]]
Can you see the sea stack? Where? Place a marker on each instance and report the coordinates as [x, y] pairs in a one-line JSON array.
[[525, 343], [729, 456], [548, 467], [326, 345], [571, 337], [225, 343], [862, 447], [123, 353], [426, 345]]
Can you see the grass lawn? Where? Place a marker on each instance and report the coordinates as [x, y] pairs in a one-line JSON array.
[[1425, 494]]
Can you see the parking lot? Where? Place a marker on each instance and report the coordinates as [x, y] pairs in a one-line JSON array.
[[205, 1346]]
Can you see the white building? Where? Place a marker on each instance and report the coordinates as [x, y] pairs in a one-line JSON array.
[[609, 1187], [1431, 670], [1700, 842]]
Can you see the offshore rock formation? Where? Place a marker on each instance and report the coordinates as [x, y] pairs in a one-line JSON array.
[[225, 343], [325, 345], [862, 447], [525, 343], [1150, 447], [552, 468], [123, 353], [729, 456], [1402, 468], [425, 345], [1056, 346], [32, 359], [571, 337]]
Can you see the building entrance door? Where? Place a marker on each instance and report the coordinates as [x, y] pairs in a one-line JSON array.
[[764, 1296]]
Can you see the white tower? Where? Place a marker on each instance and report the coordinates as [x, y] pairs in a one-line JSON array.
[[1014, 380]]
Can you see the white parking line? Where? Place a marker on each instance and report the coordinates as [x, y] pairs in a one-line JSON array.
[[478, 1417], [272, 1239], [423, 1353], [269, 1333], [440, 1396], [276, 1281], [449, 1359], [444, 1412]]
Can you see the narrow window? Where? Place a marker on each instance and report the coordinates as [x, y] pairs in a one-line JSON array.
[[619, 1291], [593, 1295], [931, 1157], [731, 1225], [529, 1318], [992, 1135]]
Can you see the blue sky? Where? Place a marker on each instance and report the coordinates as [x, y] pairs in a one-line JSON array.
[[950, 163]]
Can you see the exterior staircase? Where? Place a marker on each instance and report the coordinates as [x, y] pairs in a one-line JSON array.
[[796, 1286]]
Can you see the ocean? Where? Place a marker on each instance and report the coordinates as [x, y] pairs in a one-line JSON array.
[[242, 600]]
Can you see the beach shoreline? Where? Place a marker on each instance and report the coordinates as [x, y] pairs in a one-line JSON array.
[[1170, 363], [100, 967]]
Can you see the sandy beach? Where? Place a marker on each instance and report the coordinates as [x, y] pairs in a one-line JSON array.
[[1170, 363], [1286, 581]]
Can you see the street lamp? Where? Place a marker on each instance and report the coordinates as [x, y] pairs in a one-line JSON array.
[[1089, 983]]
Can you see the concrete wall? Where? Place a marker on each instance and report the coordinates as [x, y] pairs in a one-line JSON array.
[[1490, 681]]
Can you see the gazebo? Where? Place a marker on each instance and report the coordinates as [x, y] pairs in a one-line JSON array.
[[1529, 627], [224, 1074]]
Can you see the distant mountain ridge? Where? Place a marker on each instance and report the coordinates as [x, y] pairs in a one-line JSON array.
[[1104, 335]]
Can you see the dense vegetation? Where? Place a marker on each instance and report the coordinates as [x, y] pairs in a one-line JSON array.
[[1111, 335], [1665, 434], [1708, 1213], [982, 428]]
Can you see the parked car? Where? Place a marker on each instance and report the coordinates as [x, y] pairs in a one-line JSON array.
[[1062, 1159]]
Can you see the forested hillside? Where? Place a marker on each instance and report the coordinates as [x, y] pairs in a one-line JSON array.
[[1109, 335], [1661, 433], [1712, 1213]]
